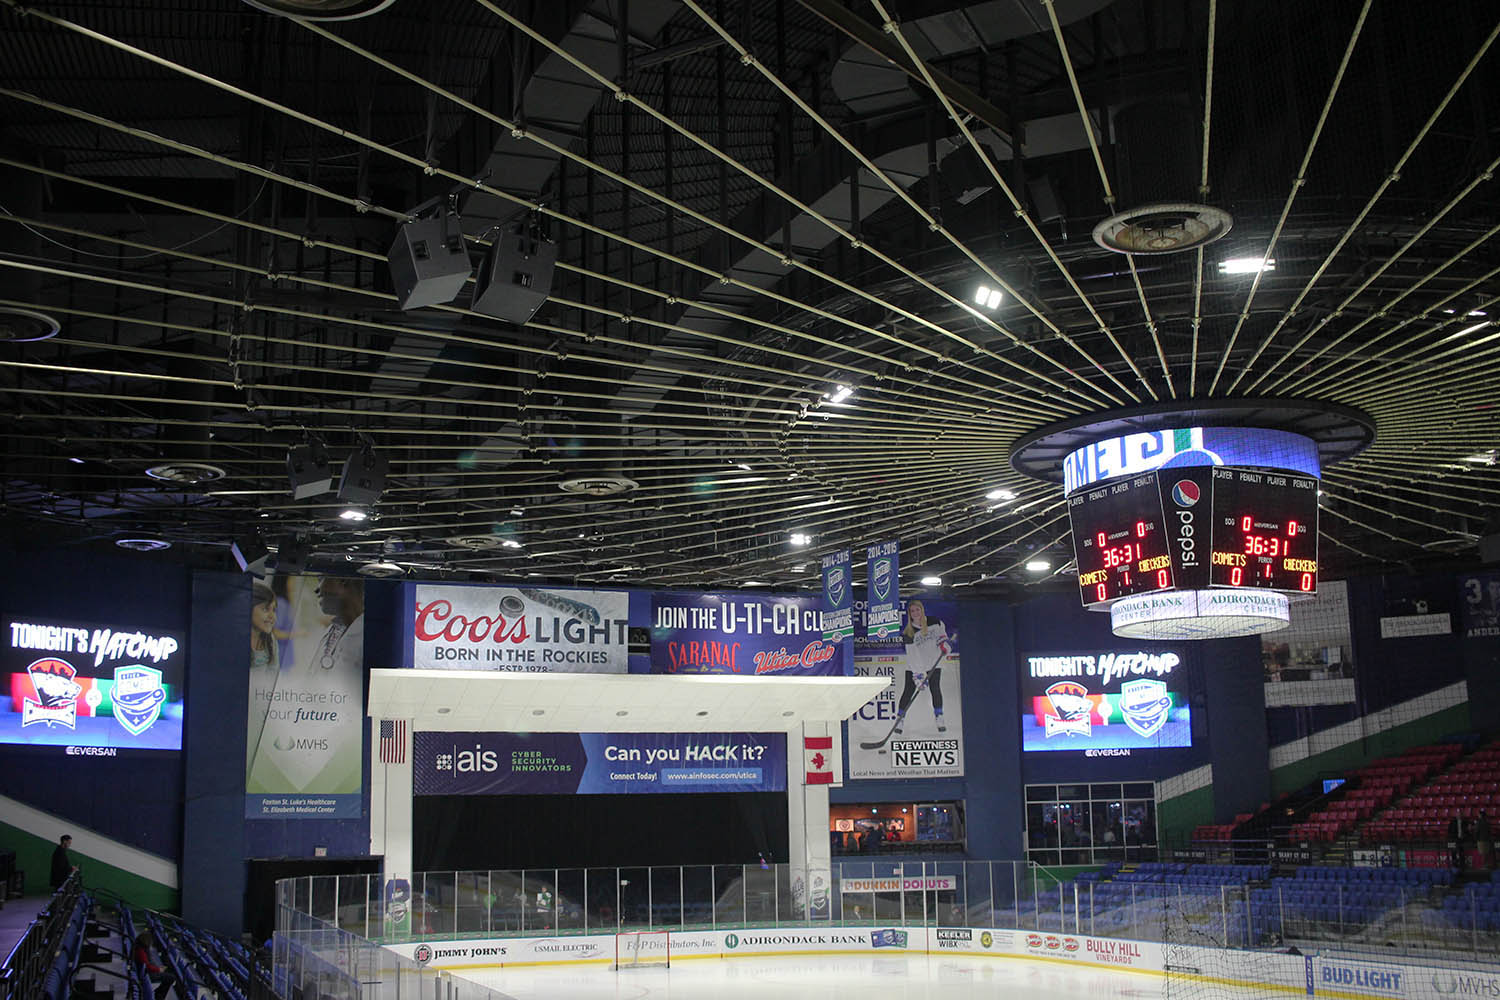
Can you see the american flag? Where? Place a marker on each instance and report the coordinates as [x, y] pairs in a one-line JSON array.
[[393, 741]]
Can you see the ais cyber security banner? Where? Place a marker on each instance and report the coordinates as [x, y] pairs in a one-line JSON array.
[[1105, 701], [90, 689], [597, 763], [304, 740], [693, 633], [518, 628], [882, 590], [838, 597], [921, 661]]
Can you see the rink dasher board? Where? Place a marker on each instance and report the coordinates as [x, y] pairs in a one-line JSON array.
[[1340, 976]]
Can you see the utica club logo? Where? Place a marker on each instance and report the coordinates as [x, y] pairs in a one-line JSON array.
[[1186, 493], [56, 702]]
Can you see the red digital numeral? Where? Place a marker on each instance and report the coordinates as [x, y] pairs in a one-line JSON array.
[[1236, 577], [1100, 539], [1140, 529], [1291, 529], [1246, 523], [1306, 583], [1101, 592], [1161, 578]]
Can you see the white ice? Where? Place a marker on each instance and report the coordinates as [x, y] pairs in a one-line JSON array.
[[915, 977]]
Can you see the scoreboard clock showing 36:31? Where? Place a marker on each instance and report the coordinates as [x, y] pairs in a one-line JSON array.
[[1195, 528]]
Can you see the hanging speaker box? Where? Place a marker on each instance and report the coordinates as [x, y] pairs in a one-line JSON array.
[[516, 276]]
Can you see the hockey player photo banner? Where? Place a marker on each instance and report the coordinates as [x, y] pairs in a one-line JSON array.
[[883, 590], [914, 728], [838, 597]]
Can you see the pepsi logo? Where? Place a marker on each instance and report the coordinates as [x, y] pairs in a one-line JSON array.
[[1186, 493]]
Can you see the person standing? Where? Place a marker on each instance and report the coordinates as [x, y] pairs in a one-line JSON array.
[[62, 864], [927, 645]]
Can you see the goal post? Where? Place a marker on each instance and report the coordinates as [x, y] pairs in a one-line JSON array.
[[643, 949]]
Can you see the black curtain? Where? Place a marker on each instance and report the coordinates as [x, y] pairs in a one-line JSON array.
[[472, 832]]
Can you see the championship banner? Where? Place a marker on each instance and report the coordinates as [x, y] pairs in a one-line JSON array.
[[597, 763], [883, 593], [304, 742], [914, 728], [838, 597], [740, 634], [1479, 605], [517, 628]]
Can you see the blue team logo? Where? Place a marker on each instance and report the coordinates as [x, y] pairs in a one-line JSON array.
[[1186, 493], [137, 697], [888, 938], [834, 584], [882, 579], [1145, 705]]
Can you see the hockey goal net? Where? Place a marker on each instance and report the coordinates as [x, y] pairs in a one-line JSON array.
[[642, 949]]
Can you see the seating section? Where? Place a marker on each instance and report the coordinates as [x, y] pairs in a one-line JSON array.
[[1463, 790], [1373, 788], [1476, 907]]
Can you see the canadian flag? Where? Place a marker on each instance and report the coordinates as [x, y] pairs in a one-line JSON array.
[[818, 751]]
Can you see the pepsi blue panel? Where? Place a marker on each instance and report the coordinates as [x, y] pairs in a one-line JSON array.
[[91, 690], [1104, 702]]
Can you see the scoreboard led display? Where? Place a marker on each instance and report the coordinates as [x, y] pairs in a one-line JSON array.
[[1195, 528]]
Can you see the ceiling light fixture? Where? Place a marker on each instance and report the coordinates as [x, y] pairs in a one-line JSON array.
[[800, 538], [1000, 493], [755, 583], [988, 297], [143, 544], [353, 514], [1038, 565], [511, 543], [1247, 265], [839, 394], [932, 581]]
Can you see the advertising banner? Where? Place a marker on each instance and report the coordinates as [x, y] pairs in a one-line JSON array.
[[597, 763], [1479, 605], [90, 689], [518, 628], [914, 728], [838, 597], [1116, 700], [304, 741], [883, 590], [740, 634], [1311, 662]]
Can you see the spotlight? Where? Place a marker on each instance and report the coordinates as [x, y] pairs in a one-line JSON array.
[[988, 297], [515, 276], [429, 263], [1000, 494], [511, 543], [309, 469], [1246, 265], [1038, 565], [364, 477], [249, 553], [799, 538], [353, 514], [840, 393], [932, 581]]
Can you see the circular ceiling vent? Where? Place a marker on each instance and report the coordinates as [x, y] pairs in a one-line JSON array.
[[186, 473], [17, 326], [322, 10], [475, 543], [143, 544], [1163, 227], [597, 486], [381, 570]]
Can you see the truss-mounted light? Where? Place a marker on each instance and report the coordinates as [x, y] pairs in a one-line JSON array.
[[1000, 494], [932, 581], [1038, 565], [799, 538], [988, 297], [1247, 265]]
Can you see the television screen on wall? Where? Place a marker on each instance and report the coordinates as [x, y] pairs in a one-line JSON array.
[[1104, 702], [90, 688]]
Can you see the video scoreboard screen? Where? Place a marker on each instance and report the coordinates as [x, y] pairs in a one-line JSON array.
[[1195, 528]]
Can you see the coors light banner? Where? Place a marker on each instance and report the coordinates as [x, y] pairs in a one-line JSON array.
[[518, 628]]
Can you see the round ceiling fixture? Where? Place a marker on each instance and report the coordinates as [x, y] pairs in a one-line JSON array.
[[381, 570], [1162, 227], [186, 473], [20, 326], [475, 543], [143, 544], [598, 485], [322, 10]]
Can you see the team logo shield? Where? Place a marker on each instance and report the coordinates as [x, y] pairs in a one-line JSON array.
[[836, 584], [882, 579], [56, 702], [137, 697], [1145, 704], [1071, 710]]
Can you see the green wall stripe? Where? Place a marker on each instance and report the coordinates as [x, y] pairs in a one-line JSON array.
[[34, 857]]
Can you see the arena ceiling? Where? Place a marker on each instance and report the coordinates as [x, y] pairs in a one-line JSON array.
[[755, 203]]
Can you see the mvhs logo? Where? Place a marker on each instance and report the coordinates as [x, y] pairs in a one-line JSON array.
[[56, 702]]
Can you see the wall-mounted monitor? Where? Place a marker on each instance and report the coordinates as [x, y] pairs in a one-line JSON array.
[[1104, 702], [90, 689]]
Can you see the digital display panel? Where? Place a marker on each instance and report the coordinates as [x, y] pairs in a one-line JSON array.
[[1105, 703], [1119, 539], [89, 689], [1265, 531]]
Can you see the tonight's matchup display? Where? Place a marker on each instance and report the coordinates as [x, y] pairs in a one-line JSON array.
[[1194, 528], [1109, 701]]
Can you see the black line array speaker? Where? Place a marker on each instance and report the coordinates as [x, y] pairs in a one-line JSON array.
[[364, 477], [309, 470], [516, 275], [429, 262]]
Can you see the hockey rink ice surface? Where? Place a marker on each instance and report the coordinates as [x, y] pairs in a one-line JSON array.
[[833, 978]]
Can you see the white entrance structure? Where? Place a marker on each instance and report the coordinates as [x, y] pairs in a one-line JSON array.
[[503, 701]]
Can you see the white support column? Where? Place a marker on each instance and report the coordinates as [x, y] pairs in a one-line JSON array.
[[391, 820], [807, 823]]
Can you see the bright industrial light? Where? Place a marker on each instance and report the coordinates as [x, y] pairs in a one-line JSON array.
[[932, 581], [988, 297], [840, 393], [1472, 329], [1038, 565], [800, 538], [1247, 265], [755, 583], [517, 511], [1481, 458], [353, 514], [1000, 494], [511, 543]]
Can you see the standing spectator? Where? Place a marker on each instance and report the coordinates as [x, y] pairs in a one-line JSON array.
[[62, 864]]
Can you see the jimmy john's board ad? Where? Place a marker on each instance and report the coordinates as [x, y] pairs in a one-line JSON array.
[[1105, 702], [527, 629]]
